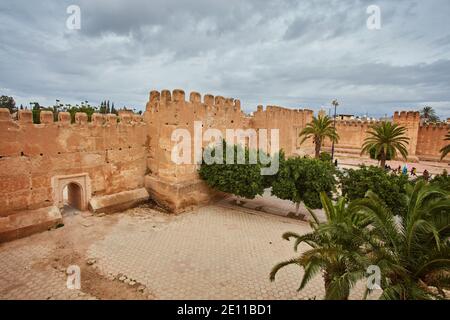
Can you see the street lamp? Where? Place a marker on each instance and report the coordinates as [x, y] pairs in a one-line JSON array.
[[335, 103]]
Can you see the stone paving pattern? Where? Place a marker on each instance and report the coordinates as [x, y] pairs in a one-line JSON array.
[[211, 253]]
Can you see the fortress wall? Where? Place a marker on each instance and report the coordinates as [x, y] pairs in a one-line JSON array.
[[352, 134], [289, 122], [111, 153], [177, 186], [430, 141]]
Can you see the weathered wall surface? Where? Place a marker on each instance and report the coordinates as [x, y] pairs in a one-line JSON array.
[[289, 122], [425, 141], [352, 134], [430, 140], [112, 154]]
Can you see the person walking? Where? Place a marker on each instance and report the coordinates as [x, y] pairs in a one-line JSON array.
[[426, 175], [405, 170]]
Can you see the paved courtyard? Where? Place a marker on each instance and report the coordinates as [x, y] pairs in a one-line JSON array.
[[215, 252]]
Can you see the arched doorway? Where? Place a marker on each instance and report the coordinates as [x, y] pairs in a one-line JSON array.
[[72, 196], [72, 191]]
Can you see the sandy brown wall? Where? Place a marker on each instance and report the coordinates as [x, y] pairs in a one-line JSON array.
[[112, 153]]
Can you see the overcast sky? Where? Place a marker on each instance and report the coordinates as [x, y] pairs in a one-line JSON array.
[[298, 54]]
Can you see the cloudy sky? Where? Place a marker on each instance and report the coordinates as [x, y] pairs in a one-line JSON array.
[[292, 53]]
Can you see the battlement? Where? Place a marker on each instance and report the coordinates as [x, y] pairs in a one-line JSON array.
[[406, 115], [165, 97], [46, 117], [431, 126], [356, 122]]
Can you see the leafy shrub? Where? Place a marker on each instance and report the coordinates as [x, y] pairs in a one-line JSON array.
[[442, 181], [244, 180], [389, 187], [302, 180], [325, 156]]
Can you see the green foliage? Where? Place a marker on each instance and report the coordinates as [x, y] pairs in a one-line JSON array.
[[302, 179], [386, 139], [9, 103], [372, 154], [442, 181], [389, 187], [335, 250], [319, 129], [325, 156], [411, 250], [428, 114], [244, 180]]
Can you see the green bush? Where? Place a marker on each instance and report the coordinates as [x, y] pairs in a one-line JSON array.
[[442, 181], [244, 180], [325, 156], [302, 180], [389, 187]]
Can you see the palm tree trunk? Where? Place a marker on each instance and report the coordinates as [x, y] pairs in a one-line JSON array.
[[382, 159], [317, 148]]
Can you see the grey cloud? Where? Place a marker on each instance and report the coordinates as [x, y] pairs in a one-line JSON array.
[[293, 53]]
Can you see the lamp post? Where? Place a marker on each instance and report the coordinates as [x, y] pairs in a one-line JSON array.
[[335, 103]]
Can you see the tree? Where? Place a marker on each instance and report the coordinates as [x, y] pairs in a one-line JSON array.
[[9, 103], [386, 138], [389, 187], [428, 114], [319, 129], [411, 250], [336, 249], [302, 179], [243, 180], [113, 109], [445, 150]]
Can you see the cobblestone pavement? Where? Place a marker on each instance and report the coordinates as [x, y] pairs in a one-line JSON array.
[[211, 253]]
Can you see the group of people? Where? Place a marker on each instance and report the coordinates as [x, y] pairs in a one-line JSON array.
[[404, 170]]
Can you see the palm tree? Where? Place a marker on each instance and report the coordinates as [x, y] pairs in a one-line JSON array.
[[428, 114], [413, 250], [319, 129], [336, 249], [386, 138], [445, 150]]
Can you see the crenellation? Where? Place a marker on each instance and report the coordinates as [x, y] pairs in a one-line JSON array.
[[178, 95], [64, 117], [46, 117], [25, 116], [98, 119], [125, 118], [111, 119], [166, 96], [208, 99], [81, 118], [195, 97], [5, 115], [154, 96], [237, 104], [219, 101]]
